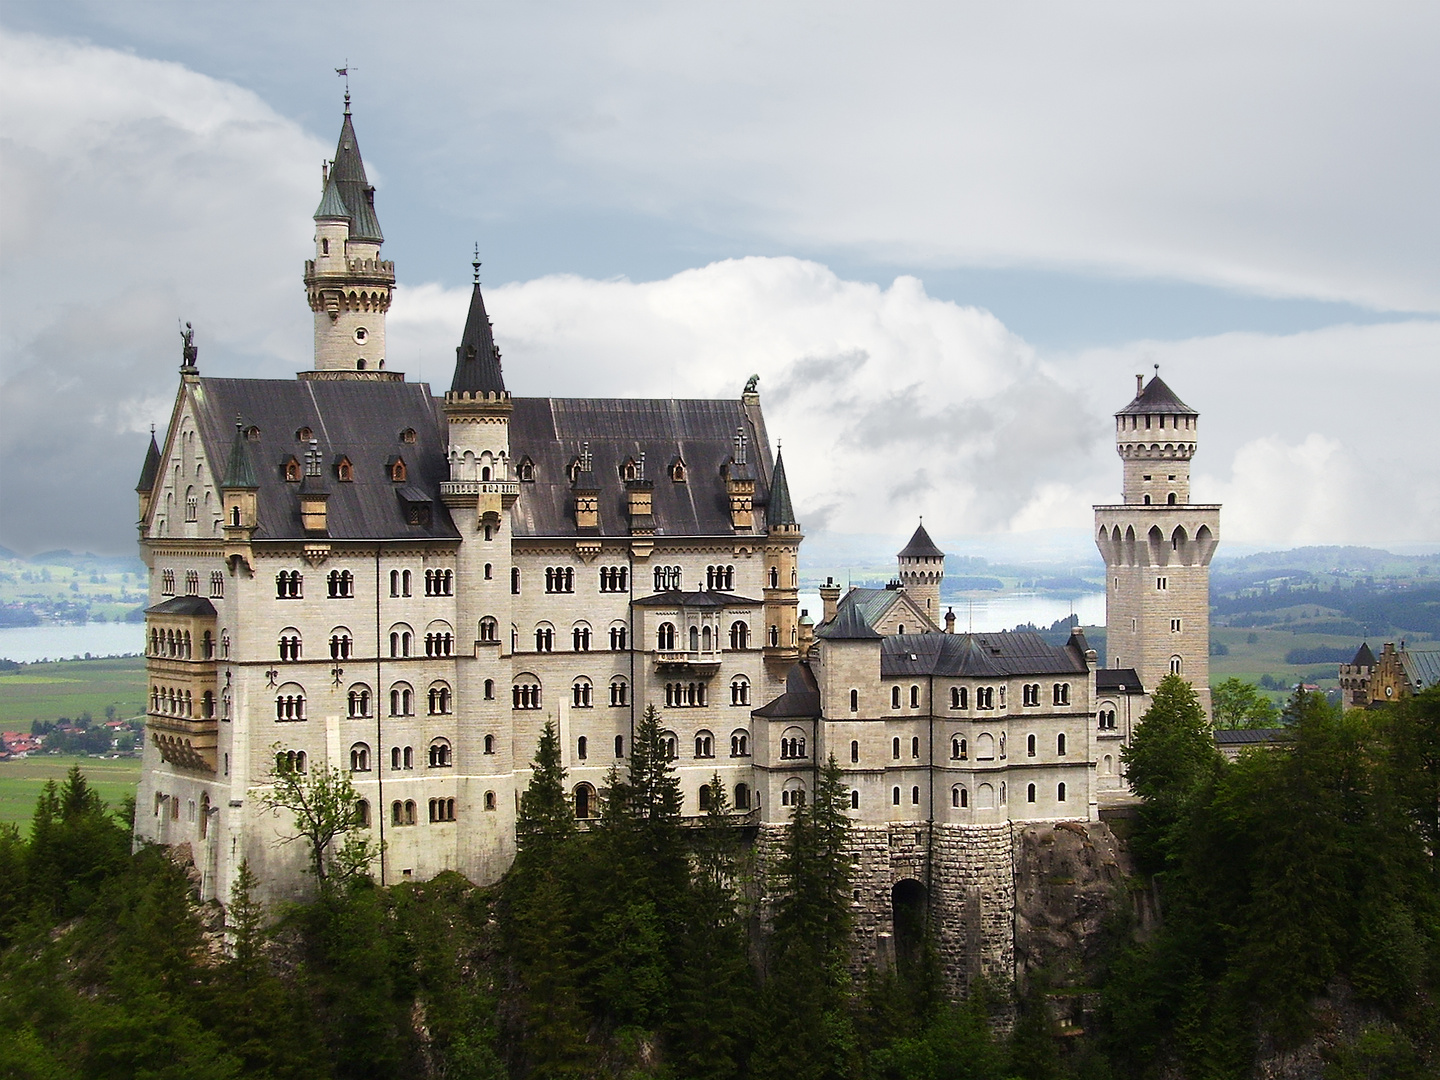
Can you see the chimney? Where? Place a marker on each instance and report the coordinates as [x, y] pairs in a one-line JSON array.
[[830, 597], [950, 621], [1139, 385], [807, 632]]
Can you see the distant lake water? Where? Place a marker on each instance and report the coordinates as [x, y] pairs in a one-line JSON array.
[[30, 643], [989, 614]]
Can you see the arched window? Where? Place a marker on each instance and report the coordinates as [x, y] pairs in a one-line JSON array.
[[895, 796], [704, 744], [665, 637], [619, 746], [959, 798], [740, 690], [1060, 744], [515, 580], [1029, 745], [289, 644], [489, 744], [619, 692], [438, 700], [619, 638], [694, 639], [774, 577], [287, 585], [670, 745], [1060, 792], [525, 692], [742, 797], [586, 805], [895, 748], [914, 796], [401, 637], [854, 700], [739, 744], [580, 693], [894, 697], [357, 701], [985, 747], [341, 643], [360, 757], [914, 697], [402, 700], [489, 689], [915, 747], [958, 748], [1060, 693], [739, 635], [290, 702], [440, 754], [1030, 793], [1177, 666], [854, 751], [291, 761], [362, 813], [489, 630], [854, 799], [580, 638], [489, 800]]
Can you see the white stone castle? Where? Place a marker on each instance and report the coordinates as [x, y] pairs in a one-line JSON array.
[[347, 571]]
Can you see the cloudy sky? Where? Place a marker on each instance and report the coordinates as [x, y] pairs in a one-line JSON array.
[[946, 236]]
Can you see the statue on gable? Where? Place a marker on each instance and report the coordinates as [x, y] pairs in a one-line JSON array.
[[188, 352], [752, 384]]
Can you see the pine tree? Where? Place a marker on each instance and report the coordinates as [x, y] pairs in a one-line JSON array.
[[808, 1033]]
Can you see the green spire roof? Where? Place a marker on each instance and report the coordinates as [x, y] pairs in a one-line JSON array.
[[353, 196], [780, 511], [239, 473]]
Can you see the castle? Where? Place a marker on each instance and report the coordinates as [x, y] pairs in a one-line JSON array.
[[349, 572]]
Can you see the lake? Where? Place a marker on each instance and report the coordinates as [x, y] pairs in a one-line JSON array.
[[30, 643], [989, 614]]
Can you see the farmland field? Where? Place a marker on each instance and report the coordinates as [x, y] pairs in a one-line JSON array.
[[21, 781], [69, 687]]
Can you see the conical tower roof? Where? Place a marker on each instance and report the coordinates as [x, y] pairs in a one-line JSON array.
[[348, 188], [921, 546], [477, 360], [1363, 657], [1157, 398], [239, 472], [780, 511], [151, 468]]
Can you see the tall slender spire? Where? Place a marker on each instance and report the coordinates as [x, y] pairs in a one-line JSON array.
[[348, 187], [780, 512], [151, 468], [239, 471], [477, 359]]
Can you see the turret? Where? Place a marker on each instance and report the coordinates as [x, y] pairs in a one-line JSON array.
[[782, 563], [349, 286], [1155, 438], [148, 473], [922, 568]]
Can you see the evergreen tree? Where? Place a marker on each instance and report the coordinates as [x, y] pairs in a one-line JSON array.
[[808, 1033], [75, 846], [1171, 755]]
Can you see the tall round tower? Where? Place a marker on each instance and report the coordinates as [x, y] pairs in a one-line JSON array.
[[349, 286], [1157, 545], [922, 568]]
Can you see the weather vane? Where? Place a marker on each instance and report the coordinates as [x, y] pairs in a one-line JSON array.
[[344, 73]]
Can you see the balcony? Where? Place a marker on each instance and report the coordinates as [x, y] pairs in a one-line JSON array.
[[695, 663], [480, 487], [185, 742]]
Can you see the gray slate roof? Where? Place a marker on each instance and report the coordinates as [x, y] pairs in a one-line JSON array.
[[347, 179], [1363, 656], [151, 468], [552, 431], [921, 546], [1016, 652], [800, 701], [780, 511], [363, 421], [701, 599], [193, 606], [1249, 736], [1124, 680], [849, 624], [477, 360], [1422, 666], [1157, 398]]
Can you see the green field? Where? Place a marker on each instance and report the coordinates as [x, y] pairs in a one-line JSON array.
[[70, 687], [21, 781]]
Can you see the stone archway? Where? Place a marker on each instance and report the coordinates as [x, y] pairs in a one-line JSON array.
[[909, 905]]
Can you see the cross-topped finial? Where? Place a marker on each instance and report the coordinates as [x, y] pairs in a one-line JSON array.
[[740, 446], [312, 458], [585, 458], [476, 263]]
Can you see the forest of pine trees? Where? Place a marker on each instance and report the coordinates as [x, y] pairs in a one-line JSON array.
[[638, 946]]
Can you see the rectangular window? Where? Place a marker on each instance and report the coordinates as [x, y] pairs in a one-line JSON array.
[[1175, 626], [1161, 583]]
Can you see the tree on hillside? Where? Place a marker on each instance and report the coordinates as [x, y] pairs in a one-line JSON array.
[[325, 810], [1239, 704], [75, 845], [1414, 731], [546, 818], [807, 1031], [1171, 754]]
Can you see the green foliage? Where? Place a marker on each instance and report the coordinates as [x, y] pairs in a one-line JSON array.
[[326, 815], [1239, 704]]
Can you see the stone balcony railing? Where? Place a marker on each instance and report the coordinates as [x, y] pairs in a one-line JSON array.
[[480, 487]]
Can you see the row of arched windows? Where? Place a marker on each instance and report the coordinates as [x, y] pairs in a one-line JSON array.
[[439, 582], [168, 701]]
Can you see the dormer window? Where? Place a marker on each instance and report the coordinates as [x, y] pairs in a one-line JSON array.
[[344, 471], [304, 435], [630, 470], [573, 469], [398, 471], [408, 435], [292, 470], [677, 470], [252, 433], [526, 470]]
